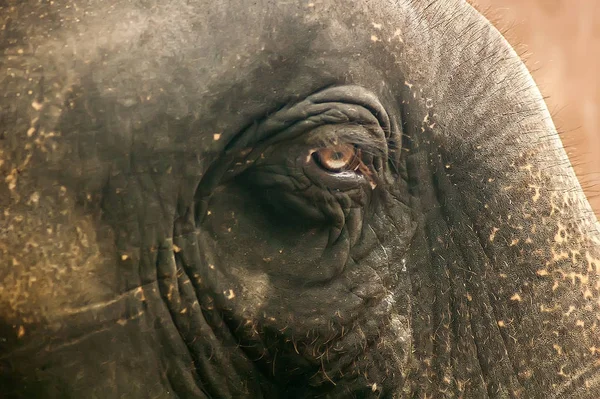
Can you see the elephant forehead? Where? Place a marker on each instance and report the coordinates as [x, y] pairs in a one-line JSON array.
[[194, 55]]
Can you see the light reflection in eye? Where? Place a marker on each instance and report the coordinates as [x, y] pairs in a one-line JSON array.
[[337, 158]]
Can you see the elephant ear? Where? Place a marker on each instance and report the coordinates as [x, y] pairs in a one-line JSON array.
[[513, 256]]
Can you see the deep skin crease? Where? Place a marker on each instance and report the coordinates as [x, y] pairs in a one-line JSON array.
[[166, 229]]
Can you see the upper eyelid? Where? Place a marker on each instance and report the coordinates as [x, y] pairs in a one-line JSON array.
[[355, 134], [342, 105], [365, 145], [359, 96], [358, 135]]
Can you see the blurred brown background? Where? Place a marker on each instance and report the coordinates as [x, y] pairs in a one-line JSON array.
[[560, 43]]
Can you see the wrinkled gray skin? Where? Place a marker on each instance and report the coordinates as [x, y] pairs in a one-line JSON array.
[[168, 230]]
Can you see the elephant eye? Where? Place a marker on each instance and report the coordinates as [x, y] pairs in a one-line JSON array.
[[338, 158]]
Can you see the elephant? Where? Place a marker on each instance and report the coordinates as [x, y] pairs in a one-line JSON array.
[[261, 198]]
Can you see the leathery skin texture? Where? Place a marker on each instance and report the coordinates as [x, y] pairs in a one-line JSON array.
[[285, 199]]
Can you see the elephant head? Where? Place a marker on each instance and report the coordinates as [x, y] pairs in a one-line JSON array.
[[285, 199]]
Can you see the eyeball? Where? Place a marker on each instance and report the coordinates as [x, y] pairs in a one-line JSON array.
[[337, 158]]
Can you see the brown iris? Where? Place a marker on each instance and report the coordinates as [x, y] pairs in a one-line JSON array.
[[338, 158]]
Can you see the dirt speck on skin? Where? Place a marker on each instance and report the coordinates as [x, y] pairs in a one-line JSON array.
[[560, 43]]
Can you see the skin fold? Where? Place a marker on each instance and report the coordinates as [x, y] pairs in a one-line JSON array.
[[178, 219]]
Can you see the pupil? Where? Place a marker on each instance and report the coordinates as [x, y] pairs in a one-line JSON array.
[[338, 155]]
